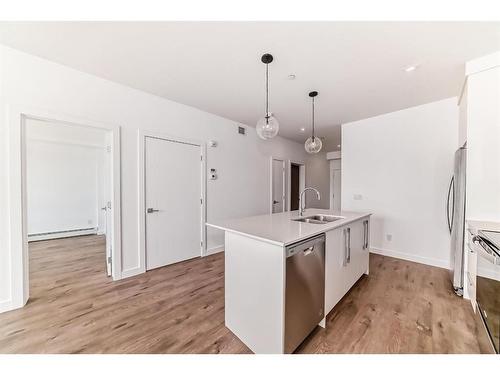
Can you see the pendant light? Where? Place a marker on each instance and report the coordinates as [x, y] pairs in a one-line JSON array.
[[313, 144], [268, 126]]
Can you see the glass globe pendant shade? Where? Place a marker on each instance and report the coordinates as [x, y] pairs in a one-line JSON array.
[[268, 127], [313, 145]]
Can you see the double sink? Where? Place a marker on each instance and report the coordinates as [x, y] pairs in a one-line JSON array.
[[318, 219]]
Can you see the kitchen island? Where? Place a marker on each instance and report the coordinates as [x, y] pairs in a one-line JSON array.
[[256, 269]]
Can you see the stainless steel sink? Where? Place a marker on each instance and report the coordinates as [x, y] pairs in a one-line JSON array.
[[318, 219]]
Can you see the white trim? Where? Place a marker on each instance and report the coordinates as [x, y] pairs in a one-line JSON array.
[[302, 180], [18, 240], [215, 250], [141, 138], [129, 272], [333, 155], [59, 142], [7, 305], [412, 258], [34, 237], [282, 160]]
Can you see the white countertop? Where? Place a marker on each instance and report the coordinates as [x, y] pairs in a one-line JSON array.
[[483, 225], [279, 229]]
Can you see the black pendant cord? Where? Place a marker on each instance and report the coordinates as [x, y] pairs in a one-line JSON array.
[[313, 119], [267, 94]]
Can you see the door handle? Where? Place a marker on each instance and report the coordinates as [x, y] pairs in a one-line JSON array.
[[275, 202], [151, 210], [308, 251], [104, 208]]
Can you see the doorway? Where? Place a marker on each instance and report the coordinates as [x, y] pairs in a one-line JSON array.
[[294, 187], [173, 200], [68, 193], [277, 185], [22, 224], [296, 183]]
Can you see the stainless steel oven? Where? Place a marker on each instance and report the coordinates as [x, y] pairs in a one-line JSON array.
[[487, 244]]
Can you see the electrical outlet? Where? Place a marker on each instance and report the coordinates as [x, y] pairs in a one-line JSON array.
[[358, 197], [89, 221], [389, 237]]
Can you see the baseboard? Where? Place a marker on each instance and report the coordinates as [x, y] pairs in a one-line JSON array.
[[214, 250], [488, 273], [61, 234], [132, 272], [411, 257], [6, 305]]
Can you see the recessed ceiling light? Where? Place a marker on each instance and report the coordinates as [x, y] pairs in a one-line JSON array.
[[291, 77], [411, 68], [302, 129]]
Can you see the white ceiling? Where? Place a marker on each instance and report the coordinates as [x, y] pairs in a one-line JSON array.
[[357, 67]]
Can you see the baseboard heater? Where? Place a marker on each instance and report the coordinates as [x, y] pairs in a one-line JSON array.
[[61, 234]]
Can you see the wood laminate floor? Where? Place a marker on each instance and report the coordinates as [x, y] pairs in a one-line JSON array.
[[401, 307]]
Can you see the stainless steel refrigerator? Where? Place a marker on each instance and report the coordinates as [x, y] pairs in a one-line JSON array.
[[455, 211]]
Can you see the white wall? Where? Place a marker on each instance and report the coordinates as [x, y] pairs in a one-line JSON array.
[[63, 184], [242, 162], [318, 176], [400, 164]]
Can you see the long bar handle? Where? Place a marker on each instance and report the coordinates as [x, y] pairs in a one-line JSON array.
[[450, 222], [344, 262], [365, 234], [349, 246]]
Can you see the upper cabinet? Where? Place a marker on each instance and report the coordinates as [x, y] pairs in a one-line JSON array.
[[462, 116], [479, 125]]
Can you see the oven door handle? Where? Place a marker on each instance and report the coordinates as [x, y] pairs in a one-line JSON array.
[[490, 257]]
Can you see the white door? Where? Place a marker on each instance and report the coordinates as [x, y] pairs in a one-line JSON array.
[[336, 183], [173, 201], [278, 186]]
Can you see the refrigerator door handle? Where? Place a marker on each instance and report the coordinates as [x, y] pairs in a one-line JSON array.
[[450, 223]]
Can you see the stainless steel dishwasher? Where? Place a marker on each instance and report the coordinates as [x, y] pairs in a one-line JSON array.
[[305, 289]]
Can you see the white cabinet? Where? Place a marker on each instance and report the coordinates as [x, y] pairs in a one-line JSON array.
[[346, 259], [359, 231], [336, 272]]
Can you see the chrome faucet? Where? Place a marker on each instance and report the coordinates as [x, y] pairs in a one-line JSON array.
[[302, 208]]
